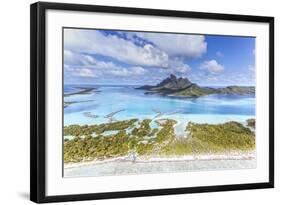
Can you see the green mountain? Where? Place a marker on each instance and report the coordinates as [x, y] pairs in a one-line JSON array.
[[183, 87]]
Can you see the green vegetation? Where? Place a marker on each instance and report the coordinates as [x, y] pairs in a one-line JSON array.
[[86, 130], [137, 136], [91, 148], [251, 123], [178, 147], [239, 90], [227, 136], [167, 131], [67, 103], [197, 91], [143, 130], [153, 132], [194, 91], [206, 138]]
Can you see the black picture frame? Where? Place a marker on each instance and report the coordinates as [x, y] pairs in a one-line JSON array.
[[38, 101]]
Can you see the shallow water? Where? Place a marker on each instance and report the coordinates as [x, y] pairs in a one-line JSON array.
[[137, 104], [110, 133]]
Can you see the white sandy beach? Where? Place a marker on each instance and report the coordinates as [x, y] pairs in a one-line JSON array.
[[158, 164]]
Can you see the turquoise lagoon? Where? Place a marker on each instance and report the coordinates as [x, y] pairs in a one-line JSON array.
[[135, 103]]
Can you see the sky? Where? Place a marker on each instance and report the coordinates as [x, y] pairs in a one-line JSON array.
[[146, 58]]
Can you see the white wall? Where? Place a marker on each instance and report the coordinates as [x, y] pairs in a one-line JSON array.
[[14, 109]]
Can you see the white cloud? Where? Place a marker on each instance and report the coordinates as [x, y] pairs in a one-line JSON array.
[[212, 78], [138, 70], [178, 66], [74, 59], [133, 71], [190, 46], [92, 41], [83, 72], [212, 66], [87, 66]]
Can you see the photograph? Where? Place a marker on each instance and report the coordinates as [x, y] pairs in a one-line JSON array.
[[136, 102], [149, 102]]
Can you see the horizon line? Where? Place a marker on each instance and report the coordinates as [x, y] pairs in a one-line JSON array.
[[206, 85]]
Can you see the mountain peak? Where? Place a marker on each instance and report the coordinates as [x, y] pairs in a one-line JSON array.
[[174, 83], [173, 77]]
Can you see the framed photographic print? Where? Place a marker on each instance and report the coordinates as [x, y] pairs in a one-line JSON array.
[[129, 102]]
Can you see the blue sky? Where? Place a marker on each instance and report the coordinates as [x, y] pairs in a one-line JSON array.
[[138, 58]]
